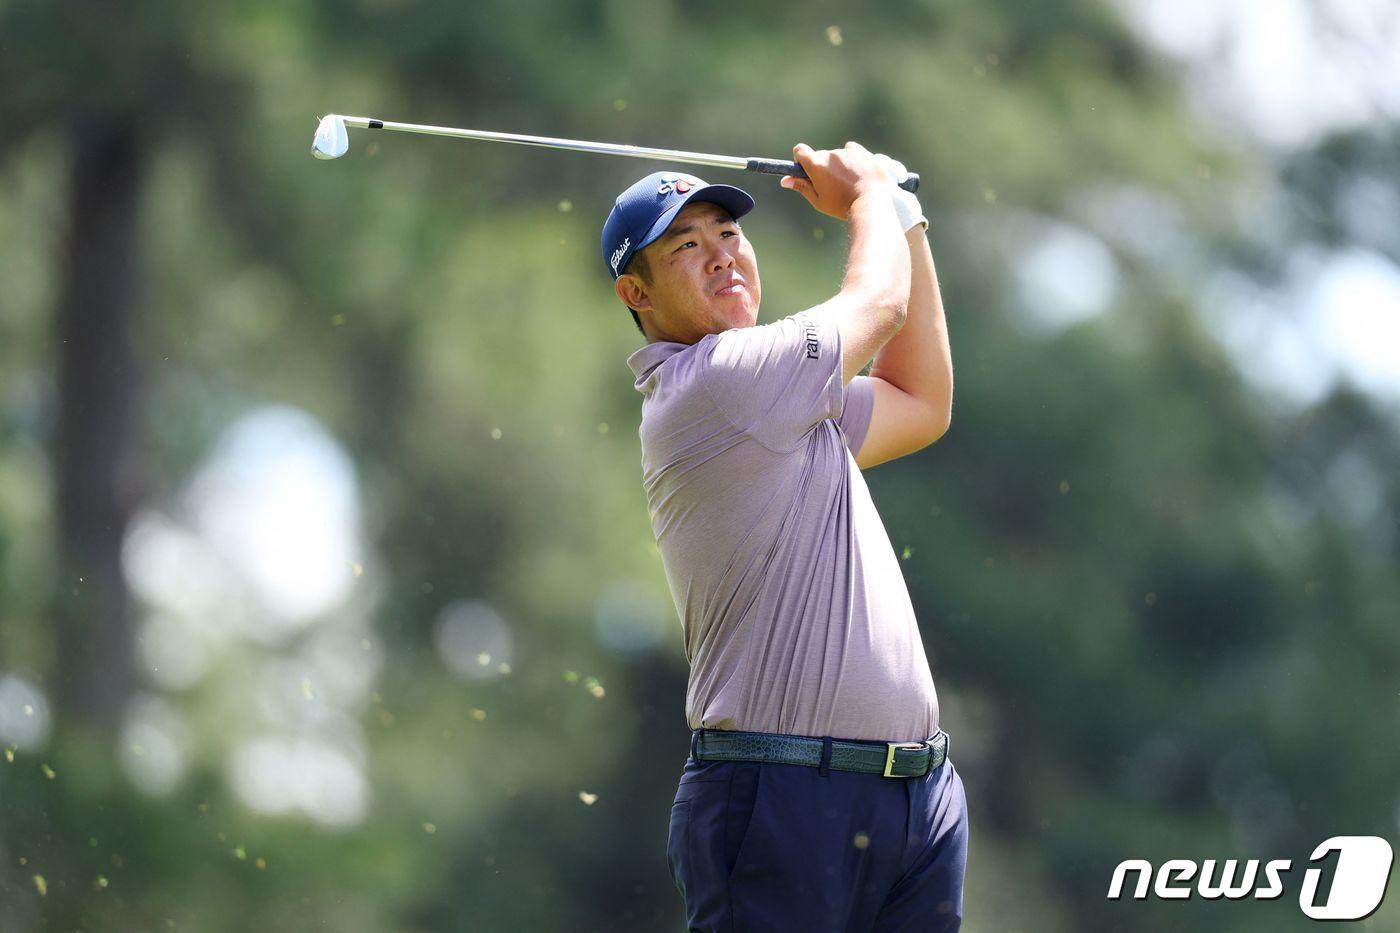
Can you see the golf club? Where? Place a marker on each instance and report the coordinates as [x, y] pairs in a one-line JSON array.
[[332, 142]]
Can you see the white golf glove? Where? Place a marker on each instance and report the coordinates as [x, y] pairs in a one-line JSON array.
[[906, 204]]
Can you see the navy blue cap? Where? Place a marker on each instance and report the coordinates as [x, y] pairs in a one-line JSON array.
[[643, 212]]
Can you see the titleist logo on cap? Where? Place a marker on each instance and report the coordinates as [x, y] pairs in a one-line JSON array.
[[619, 253]]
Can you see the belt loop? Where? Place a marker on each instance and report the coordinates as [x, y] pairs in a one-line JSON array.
[[824, 767], [695, 743]]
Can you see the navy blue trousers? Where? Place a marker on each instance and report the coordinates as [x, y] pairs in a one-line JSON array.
[[766, 847]]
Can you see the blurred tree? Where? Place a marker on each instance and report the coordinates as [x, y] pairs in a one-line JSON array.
[[94, 450]]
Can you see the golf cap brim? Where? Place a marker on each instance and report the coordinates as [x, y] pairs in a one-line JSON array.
[[734, 200], [643, 213]]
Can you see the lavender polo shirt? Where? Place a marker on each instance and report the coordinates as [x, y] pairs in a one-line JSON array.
[[794, 610]]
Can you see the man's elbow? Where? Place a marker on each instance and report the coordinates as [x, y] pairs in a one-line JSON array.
[[941, 428], [880, 307], [939, 420], [892, 309]]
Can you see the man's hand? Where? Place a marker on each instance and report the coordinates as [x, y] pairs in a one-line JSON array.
[[893, 168], [836, 177], [906, 205]]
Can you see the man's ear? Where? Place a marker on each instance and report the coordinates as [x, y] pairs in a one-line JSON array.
[[631, 292]]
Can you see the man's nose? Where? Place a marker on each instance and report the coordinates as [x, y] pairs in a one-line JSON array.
[[720, 259]]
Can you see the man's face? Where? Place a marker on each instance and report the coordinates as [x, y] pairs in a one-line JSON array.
[[704, 278]]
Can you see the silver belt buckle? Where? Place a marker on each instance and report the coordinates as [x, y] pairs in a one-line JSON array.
[[893, 747]]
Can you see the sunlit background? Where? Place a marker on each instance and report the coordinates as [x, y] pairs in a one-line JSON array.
[[328, 596]]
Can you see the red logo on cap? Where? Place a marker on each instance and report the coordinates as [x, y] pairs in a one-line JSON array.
[[681, 184]]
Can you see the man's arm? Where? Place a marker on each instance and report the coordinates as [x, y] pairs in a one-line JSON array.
[[873, 302], [850, 184], [913, 373]]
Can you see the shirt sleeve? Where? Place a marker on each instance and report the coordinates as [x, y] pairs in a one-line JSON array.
[[775, 382], [856, 412]]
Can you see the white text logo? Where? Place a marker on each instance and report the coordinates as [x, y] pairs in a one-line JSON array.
[[619, 253], [1359, 878]]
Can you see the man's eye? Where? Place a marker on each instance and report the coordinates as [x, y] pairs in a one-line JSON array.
[[723, 233]]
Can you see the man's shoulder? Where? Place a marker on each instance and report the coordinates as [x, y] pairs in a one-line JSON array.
[[715, 366]]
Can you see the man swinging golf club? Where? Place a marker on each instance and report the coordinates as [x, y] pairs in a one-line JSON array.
[[818, 794]]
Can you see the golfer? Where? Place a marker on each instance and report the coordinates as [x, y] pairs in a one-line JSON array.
[[818, 794]]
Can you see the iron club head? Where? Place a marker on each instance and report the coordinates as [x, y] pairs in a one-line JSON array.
[[331, 141]]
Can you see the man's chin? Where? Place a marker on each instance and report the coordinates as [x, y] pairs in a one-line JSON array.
[[739, 315], [731, 315]]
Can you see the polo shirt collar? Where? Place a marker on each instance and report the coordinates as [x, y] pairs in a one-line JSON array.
[[645, 360]]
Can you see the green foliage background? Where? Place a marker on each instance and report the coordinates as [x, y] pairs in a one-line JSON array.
[[1156, 626]]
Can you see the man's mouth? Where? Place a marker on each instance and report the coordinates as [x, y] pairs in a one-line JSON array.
[[731, 288]]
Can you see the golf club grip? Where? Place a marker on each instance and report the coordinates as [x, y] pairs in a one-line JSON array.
[[909, 182]]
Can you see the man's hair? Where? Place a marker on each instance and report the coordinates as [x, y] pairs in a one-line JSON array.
[[642, 268]]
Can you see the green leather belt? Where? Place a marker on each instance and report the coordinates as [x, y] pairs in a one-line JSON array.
[[890, 759]]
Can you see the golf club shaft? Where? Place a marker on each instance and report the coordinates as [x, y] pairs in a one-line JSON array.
[[751, 164]]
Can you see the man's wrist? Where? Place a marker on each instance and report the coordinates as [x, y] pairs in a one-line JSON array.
[[907, 206], [870, 186]]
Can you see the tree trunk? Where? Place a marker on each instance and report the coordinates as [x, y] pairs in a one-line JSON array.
[[93, 446]]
